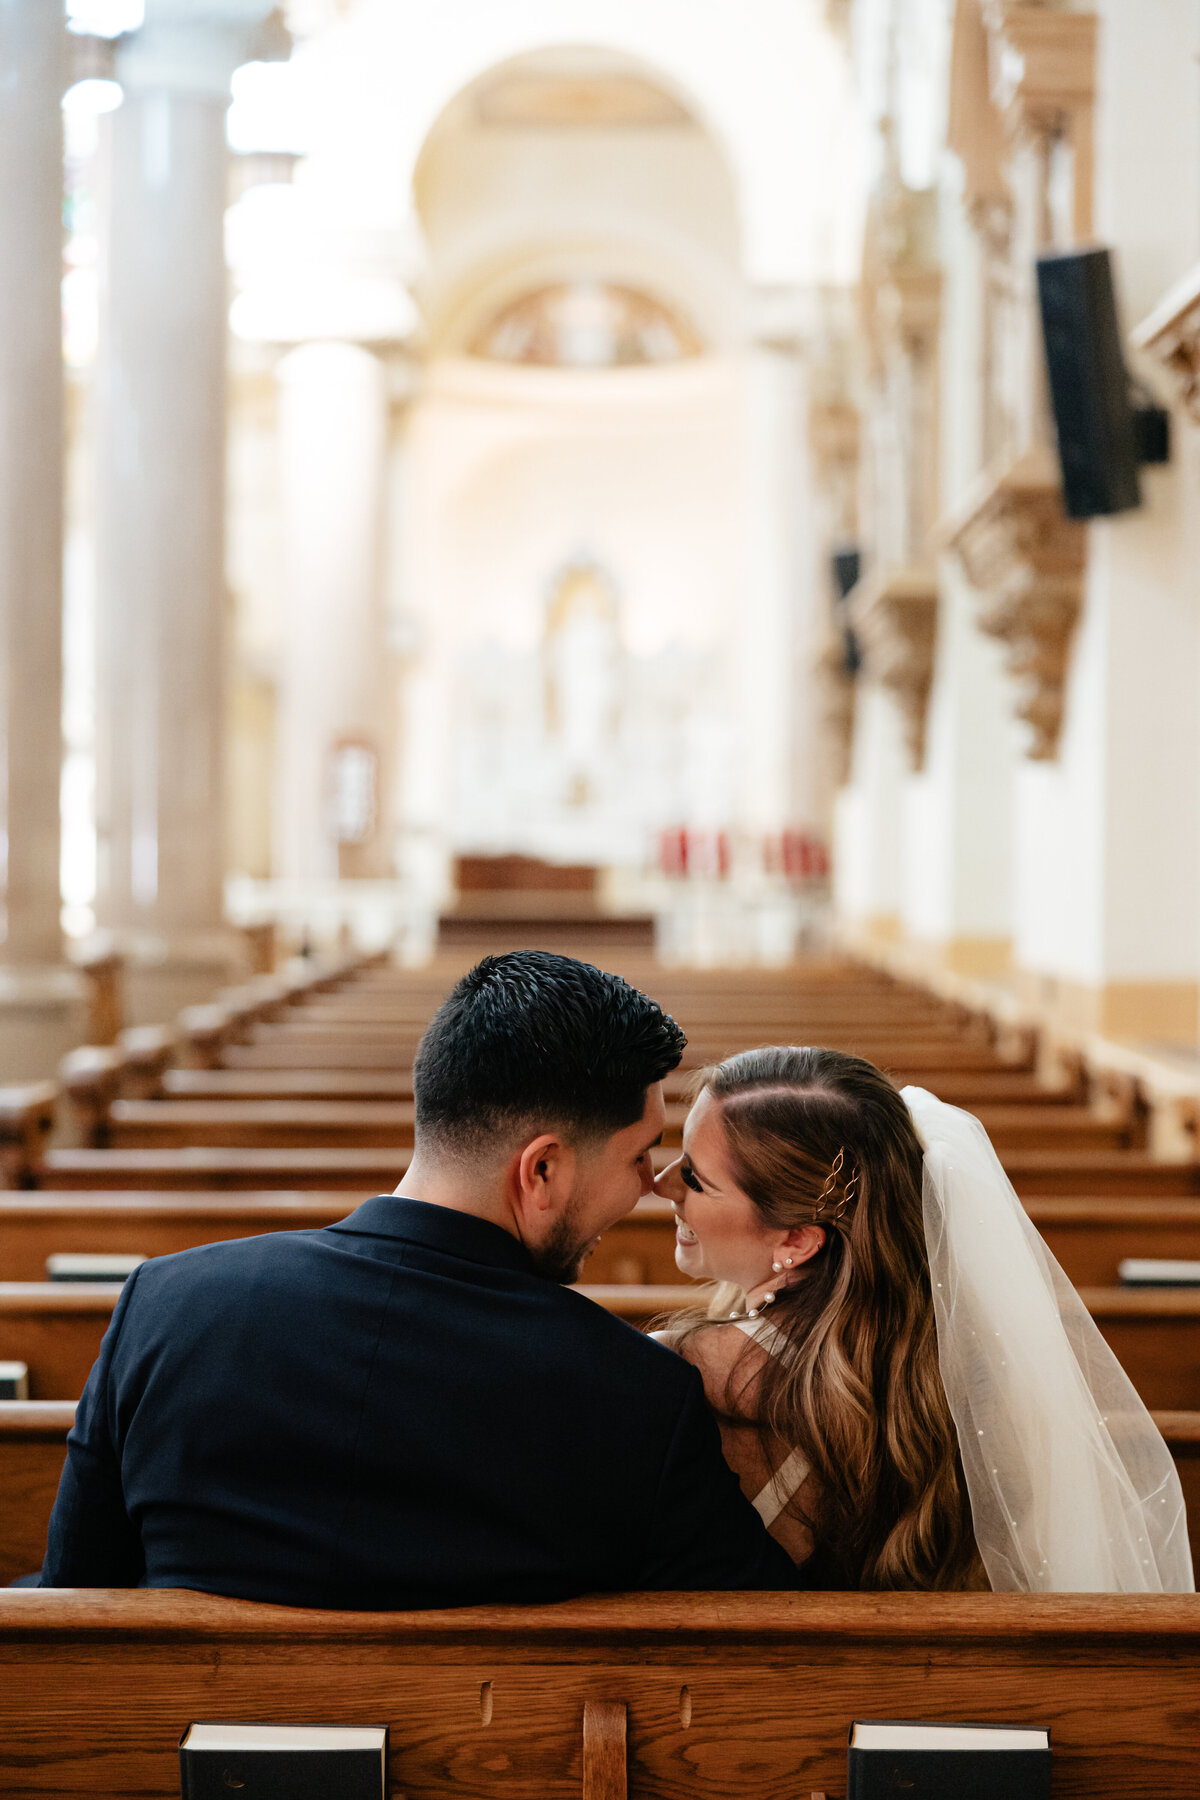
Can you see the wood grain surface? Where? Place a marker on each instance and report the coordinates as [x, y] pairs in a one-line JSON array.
[[605, 1731], [95, 1688]]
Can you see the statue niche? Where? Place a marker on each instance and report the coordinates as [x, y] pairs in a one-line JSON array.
[[582, 678]]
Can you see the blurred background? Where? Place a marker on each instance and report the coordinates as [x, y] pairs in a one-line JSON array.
[[717, 470]]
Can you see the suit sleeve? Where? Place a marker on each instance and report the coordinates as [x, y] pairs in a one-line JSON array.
[[92, 1541], [704, 1533]]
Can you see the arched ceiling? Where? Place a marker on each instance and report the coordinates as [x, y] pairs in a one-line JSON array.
[[572, 172], [764, 80]]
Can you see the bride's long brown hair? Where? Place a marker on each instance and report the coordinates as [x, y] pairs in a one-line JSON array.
[[856, 1388]]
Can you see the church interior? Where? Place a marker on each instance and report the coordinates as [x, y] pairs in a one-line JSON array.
[[704, 488]]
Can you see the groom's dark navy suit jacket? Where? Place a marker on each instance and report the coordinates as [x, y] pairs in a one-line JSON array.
[[392, 1412]]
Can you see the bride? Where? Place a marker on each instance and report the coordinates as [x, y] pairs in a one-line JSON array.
[[908, 1387]]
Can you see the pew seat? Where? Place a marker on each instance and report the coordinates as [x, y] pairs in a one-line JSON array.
[[746, 1694]]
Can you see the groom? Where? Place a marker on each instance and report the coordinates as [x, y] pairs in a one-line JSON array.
[[410, 1408]]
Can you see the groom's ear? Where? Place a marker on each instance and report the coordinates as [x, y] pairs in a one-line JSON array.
[[544, 1174]]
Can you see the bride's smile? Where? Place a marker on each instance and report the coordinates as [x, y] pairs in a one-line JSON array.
[[720, 1235]]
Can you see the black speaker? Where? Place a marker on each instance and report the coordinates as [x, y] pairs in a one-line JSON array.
[[847, 566], [1089, 384]]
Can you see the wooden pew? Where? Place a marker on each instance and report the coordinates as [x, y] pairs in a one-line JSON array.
[[56, 1328], [33, 1433], [335, 1051], [267, 1083], [359, 1172], [32, 1447], [148, 1224], [150, 1124], [1037, 1174], [1088, 1237], [697, 1695]]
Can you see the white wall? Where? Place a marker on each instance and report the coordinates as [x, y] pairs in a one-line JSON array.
[[1108, 839]]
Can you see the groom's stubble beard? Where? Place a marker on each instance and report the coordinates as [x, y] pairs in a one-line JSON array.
[[562, 1256]]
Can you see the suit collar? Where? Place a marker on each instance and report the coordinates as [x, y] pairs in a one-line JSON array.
[[438, 1228]]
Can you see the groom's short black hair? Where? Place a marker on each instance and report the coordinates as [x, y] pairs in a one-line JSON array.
[[530, 1040]]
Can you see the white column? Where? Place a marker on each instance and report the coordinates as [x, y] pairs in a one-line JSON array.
[[333, 445], [42, 1004], [161, 508]]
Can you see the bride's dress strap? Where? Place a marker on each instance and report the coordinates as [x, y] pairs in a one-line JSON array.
[[789, 1477]]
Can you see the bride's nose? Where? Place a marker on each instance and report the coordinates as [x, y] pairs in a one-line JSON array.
[[669, 1185]]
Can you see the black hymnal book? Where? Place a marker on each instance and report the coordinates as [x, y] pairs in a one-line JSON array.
[[71, 1265], [283, 1762], [14, 1381], [914, 1759], [1158, 1271]]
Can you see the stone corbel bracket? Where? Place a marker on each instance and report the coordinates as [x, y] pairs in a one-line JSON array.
[[1042, 68], [895, 616], [1171, 334], [1027, 560]]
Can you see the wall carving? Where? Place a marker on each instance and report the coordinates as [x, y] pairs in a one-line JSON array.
[[1021, 106], [1171, 334], [586, 325], [895, 617], [1019, 549]]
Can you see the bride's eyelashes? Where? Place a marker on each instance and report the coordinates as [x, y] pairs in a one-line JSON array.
[[688, 1177]]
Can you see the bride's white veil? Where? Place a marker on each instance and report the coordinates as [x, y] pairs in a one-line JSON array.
[[1072, 1488]]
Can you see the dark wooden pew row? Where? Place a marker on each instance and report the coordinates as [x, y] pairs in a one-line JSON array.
[[1037, 1174], [1034, 1172], [1088, 1237], [33, 1434], [361, 1172], [56, 1328], [970, 1091], [696, 1695], [152, 1124], [948, 1049], [27, 1115], [338, 1052], [743, 1014], [33, 1227]]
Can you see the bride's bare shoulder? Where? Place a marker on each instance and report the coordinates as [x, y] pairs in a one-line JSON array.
[[729, 1363]]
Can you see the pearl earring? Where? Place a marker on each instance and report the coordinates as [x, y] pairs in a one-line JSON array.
[[777, 1267], [788, 1261]]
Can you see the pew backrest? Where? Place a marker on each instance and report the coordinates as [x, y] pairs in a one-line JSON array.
[[730, 1693]]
